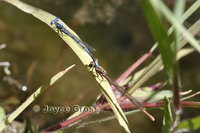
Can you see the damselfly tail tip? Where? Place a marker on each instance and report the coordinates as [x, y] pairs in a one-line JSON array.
[[149, 115]]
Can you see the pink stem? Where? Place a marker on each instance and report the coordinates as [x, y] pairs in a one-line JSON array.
[[124, 105], [123, 76]]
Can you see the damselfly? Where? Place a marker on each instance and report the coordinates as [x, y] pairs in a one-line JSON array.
[[84, 45]]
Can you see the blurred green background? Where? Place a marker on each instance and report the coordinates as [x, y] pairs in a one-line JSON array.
[[116, 29]]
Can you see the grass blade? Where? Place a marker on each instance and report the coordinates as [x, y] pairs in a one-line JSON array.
[[160, 34], [167, 121], [154, 67], [31, 98], [167, 13], [186, 15]]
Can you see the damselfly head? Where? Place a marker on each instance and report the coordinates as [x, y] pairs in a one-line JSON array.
[[54, 21]]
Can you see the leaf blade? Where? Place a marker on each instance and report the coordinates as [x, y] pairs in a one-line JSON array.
[[31, 98], [167, 120]]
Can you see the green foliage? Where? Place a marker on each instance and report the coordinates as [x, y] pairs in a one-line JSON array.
[[167, 121], [190, 124], [154, 67], [160, 34], [31, 98], [2, 113], [177, 25]]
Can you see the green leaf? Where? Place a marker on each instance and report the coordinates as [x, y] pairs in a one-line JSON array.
[[160, 34], [155, 66], [179, 9], [167, 120], [2, 113], [108, 93], [152, 95], [186, 15], [31, 98], [47, 18], [190, 124], [149, 71], [168, 14]]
